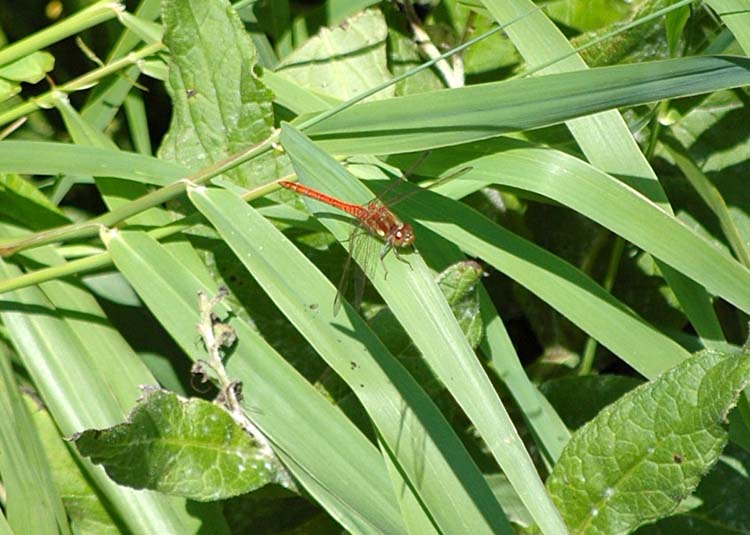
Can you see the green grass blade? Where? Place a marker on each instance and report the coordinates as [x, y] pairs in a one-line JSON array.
[[33, 503], [454, 116], [88, 378], [736, 15], [611, 203], [421, 309], [605, 138], [711, 196], [303, 426], [549, 429], [426, 449], [45, 158]]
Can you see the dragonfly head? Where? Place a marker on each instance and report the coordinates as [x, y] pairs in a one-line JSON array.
[[403, 236]]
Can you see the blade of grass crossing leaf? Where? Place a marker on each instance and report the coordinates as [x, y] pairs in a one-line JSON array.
[[607, 201], [605, 138], [711, 196], [549, 429], [428, 452], [33, 504], [420, 307], [735, 14], [302, 425], [453, 116], [78, 398]]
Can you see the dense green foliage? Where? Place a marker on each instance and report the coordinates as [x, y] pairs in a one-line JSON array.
[[560, 352]]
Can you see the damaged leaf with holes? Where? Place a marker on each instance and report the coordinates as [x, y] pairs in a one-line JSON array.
[[184, 447], [643, 455]]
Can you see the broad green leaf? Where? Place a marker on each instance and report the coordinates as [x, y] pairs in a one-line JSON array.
[[721, 498], [644, 454], [459, 285], [644, 42], [219, 105], [585, 15], [302, 426], [454, 116], [184, 447], [338, 10], [33, 504], [88, 377], [45, 158], [343, 62]]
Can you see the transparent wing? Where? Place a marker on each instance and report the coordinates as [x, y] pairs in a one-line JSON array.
[[361, 251]]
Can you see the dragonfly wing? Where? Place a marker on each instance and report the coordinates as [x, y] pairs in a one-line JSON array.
[[359, 245], [343, 282]]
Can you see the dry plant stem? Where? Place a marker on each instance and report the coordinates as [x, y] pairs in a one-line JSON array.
[[216, 335], [423, 41], [15, 125], [458, 59]]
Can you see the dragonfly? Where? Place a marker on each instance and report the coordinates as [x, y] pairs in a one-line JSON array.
[[374, 218]]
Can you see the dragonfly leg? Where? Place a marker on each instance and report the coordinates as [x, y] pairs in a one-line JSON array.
[[387, 246], [401, 258]]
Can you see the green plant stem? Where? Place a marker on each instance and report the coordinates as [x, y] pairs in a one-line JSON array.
[[609, 281], [47, 99], [155, 198], [87, 18], [103, 260], [93, 226]]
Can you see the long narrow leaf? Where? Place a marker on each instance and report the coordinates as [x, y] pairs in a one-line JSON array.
[[456, 116], [430, 455], [294, 416], [421, 309]]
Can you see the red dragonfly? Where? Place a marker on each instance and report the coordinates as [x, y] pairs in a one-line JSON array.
[[376, 219]]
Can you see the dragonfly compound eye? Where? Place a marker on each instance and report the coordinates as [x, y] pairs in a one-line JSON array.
[[404, 236]]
